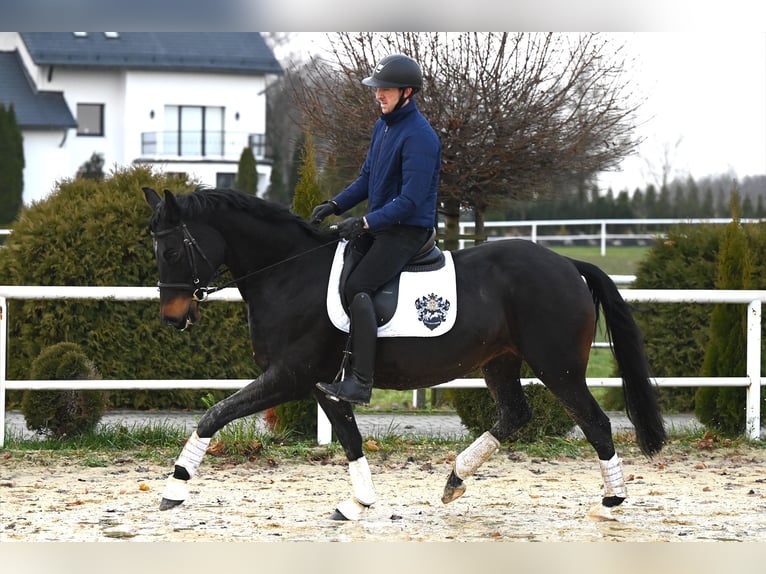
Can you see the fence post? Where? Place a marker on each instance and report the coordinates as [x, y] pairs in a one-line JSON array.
[[3, 354], [753, 408]]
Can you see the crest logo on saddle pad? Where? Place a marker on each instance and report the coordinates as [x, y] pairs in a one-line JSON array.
[[432, 310]]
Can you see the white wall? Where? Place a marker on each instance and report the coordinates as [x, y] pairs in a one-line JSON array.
[[45, 162]]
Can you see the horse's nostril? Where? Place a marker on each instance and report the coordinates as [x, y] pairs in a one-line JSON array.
[[175, 322]]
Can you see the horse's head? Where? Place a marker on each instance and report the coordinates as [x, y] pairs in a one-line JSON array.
[[188, 255]]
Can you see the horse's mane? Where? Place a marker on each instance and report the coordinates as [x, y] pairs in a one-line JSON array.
[[205, 201]]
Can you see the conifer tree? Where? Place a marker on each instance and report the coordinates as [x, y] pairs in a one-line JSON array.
[[723, 408], [11, 166], [247, 174], [308, 191]]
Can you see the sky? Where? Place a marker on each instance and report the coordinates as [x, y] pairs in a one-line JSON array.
[[703, 110], [705, 107]]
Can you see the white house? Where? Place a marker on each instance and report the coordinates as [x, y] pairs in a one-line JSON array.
[[186, 103]]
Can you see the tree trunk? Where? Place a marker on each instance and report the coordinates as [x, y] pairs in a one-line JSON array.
[[478, 226], [451, 224]]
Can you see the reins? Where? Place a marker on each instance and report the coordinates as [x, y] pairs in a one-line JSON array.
[[208, 290]]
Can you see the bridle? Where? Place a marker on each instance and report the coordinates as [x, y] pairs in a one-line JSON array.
[[192, 250], [201, 292]]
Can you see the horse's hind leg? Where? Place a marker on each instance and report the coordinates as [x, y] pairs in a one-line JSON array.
[[595, 425], [502, 376], [341, 416]]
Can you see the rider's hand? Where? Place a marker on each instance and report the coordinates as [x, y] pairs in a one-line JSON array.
[[323, 210], [351, 227]]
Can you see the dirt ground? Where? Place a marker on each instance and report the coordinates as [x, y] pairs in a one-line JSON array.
[[683, 495]]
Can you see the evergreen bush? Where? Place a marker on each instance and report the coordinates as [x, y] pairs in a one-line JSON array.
[[675, 335], [678, 336], [478, 412], [723, 408], [67, 412], [96, 234], [11, 166], [247, 172]]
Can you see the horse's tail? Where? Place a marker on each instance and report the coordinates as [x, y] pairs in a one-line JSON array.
[[627, 346]]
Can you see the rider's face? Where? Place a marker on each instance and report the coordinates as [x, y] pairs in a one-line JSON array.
[[389, 97]]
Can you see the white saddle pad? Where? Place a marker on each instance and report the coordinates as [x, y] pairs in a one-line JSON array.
[[427, 304]]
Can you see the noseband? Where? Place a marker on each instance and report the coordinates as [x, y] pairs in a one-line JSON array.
[[192, 250]]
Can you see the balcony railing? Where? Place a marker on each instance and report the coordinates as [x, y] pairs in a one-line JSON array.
[[196, 145]]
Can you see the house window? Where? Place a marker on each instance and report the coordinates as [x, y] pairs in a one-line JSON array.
[[90, 119], [225, 180], [193, 130]]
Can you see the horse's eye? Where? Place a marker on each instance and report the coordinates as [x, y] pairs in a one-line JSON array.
[[170, 255]]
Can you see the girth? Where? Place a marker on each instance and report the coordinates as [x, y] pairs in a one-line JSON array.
[[428, 258]]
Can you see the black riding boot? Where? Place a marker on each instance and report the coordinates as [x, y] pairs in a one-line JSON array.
[[356, 386]]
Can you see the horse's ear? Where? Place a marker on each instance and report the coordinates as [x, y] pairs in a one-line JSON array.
[[172, 211], [152, 197]]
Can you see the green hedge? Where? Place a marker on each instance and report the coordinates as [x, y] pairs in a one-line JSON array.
[[89, 233], [679, 336], [478, 412], [63, 413]]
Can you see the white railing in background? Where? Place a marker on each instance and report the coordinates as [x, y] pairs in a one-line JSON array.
[[752, 380], [532, 228]]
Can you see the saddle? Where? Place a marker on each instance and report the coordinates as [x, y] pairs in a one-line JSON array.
[[428, 258]]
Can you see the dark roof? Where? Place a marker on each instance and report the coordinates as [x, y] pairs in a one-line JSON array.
[[34, 110], [238, 52]]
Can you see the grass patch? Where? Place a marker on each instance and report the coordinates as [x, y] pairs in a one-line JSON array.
[[257, 447], [616, 261]]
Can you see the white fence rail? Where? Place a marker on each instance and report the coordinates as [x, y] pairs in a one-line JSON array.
[[752, 380], [530, 229]]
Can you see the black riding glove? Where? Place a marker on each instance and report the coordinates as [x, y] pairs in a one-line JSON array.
[[350, 228], [323, 210]]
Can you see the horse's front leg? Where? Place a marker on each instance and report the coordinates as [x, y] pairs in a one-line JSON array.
[[259, 395], [341, 415]]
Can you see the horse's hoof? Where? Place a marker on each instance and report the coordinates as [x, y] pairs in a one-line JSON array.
[[601, 513], [612, 501], [454, 489], [349, 510], [167, 504]]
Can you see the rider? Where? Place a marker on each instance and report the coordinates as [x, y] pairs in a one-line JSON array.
[[399, 180]]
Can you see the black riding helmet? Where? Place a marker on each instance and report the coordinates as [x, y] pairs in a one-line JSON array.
[[396, 71]]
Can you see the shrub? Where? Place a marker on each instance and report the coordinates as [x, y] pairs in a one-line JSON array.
[[247, 172], [298, 419], [96, 233], [478, 412], [62, 413], [678, 336], [675, 335], [721, 408]]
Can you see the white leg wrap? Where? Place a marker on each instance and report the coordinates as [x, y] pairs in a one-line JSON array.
[[361, 481], [175, 489], [192, 453], [614, 482], [477, 453], [351, 509]]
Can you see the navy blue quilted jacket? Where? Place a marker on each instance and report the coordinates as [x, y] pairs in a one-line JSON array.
[[400, 176]]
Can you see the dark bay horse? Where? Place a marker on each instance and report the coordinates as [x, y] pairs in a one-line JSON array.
[[517, 301]]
